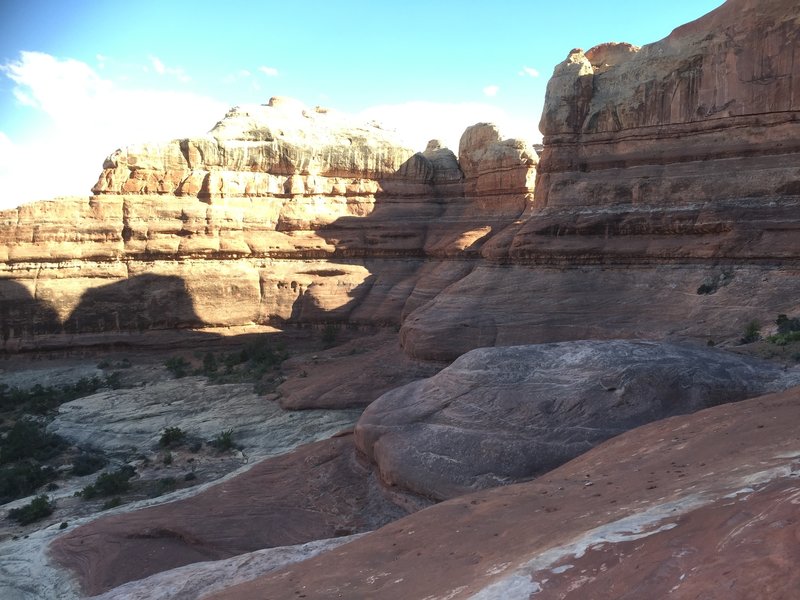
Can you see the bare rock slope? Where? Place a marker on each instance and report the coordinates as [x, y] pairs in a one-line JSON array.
[[500, 415], [700, 505]]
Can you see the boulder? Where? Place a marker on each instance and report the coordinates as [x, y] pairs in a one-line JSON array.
[[501, 415]]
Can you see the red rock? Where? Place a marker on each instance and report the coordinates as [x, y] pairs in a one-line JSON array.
[[707, 501], [318, 491]]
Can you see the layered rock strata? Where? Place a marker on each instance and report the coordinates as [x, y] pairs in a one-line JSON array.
[[281, 213], [664, 168]]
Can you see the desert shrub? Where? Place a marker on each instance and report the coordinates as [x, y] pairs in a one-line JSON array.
[[172, 436], [223, 440], [38, 508], [178, 366], [86, 464], [110, 484], [113, 503], [162, 486], [41, 399], [22, 479], [752, 333], [209, 364], [28, 439], [167, 458]]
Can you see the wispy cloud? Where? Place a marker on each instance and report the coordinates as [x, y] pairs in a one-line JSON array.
[[491, 90], [236, 76], [90, 117], [268, 71], [529, 72], [177, 72]]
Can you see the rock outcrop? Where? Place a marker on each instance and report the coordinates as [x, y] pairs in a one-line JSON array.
[[663, 167], [242, 226], [700, 505], [502, 415], [318, 491]]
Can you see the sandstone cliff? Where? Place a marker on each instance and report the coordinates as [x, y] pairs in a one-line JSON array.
[[666, 206], [667, 202], [281, 213]]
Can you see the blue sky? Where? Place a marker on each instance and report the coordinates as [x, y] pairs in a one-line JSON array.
[[79, 79]]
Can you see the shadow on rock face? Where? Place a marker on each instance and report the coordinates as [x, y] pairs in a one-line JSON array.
[[136, 304], [22, 315]]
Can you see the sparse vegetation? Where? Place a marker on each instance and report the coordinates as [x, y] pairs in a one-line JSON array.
[[86, 464], [23, 479], [752, 333], [109, 484], [171, 437], [223, 440], [113, 503], [178, 366], [38, 508], [788, 331], [162, 486], [41, 399], [28, 439]]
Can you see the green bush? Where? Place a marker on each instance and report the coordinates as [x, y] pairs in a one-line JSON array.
[[172, 436], [22, 479], [42, 399], [113, 503], [110, 484], [223, 440], [28, 439], [38, 508], [178, 366], [86, 464], [752, 333]]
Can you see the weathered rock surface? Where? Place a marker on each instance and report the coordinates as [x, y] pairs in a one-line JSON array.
[[700, 505], [115, 421], [679, 159], [241, 227], [501, 415], [318, 491], [351, 374], [197, 580]]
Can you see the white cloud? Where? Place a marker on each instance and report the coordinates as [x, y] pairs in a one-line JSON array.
[[89, 118], [177, 72], [268, 71], [529, 71], [419, 122], [491, 90]]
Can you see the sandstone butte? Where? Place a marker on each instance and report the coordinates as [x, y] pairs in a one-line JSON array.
[[666, 205]]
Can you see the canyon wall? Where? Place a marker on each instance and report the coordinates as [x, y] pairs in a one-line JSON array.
[[667, 202], [281, 214], [666, 205]]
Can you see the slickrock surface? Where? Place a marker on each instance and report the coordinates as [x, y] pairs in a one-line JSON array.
[[502, 415], [352, 374], [316, 492], [695, 505], [193, 581]]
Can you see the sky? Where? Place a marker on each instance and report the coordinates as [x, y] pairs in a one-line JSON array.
[[80, 79]]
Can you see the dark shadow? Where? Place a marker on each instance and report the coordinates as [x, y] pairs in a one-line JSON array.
[[136, 304], [22, 316]]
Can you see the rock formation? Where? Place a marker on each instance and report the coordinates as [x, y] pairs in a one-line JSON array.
[[700, 505], [664, 167], [247, 222], [502, 415]]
